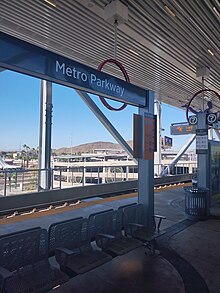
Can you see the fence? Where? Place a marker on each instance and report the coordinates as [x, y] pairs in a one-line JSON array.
[[21, 181]]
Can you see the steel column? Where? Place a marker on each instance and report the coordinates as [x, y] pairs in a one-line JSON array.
[[157, 158], [146, 172], [44, 157]]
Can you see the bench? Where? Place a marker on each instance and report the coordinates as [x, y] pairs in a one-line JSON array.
[[109, 235], [133, 222], [24, 263], [74, 251]]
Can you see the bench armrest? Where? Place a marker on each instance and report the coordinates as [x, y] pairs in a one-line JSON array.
[[108, 236], [4, 275], [67, 251], [159, 222], [102, 240], [131, 228], [61, 255], [136, 225]]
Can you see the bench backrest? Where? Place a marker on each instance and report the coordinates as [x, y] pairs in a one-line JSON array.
[[23, 248], [72, 235], [109, 223], [51, 235], [91, 218], [20, 231], [133, 214]]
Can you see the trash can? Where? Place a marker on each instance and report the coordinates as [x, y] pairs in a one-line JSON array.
[[196, 203]]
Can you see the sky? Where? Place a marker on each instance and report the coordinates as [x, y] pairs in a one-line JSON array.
[[73, 121]]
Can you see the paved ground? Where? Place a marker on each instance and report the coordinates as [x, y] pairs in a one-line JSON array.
[[189, 260]]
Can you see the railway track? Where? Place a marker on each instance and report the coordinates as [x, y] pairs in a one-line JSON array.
[[64, 205]]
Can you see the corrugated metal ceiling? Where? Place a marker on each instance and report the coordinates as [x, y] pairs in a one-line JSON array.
[[161, 45]]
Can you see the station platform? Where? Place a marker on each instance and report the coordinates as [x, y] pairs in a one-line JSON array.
[[188, 259]]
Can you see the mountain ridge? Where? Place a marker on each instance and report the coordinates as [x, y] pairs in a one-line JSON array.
[[89, 147]]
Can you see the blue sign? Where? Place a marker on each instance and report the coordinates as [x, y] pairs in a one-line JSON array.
[[29, 59]]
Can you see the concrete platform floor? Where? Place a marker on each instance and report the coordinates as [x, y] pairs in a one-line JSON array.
[[129, 273], [189, 259]]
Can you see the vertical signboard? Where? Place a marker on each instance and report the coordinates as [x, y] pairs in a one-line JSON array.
[[144, 137], [149, 137], [201, 141], [137, 137]]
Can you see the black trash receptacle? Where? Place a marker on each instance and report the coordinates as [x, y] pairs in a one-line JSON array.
[[196, 203]]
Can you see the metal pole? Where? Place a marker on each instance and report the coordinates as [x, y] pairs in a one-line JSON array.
[[5, 182], [60, 178], [83, 182], [146, 171], [157, 159], [51, 178], [98, 176], [127, 170], [45, 136], [116, 34]]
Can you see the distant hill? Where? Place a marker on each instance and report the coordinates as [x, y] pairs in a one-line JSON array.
[[89, 147]]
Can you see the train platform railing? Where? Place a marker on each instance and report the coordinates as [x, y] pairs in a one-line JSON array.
[[18, 181]]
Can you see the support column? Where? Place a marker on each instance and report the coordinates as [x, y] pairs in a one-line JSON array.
[[44, 156], [146, 171], [157, 158]]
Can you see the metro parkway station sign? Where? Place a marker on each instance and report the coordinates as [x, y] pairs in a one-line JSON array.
[[23, 57]]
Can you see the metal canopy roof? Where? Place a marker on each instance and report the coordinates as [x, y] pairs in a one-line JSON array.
[[161, 45]]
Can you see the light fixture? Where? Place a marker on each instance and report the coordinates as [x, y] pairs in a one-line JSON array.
[[211, 52], [207, 99], [216, 11], [51, 2], [134, 51], [169, 11]]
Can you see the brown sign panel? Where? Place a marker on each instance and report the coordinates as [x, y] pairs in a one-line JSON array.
[[149, 138], [137, 137]]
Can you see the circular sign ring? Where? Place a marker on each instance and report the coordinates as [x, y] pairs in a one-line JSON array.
[[124, 72], [193, 97]]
